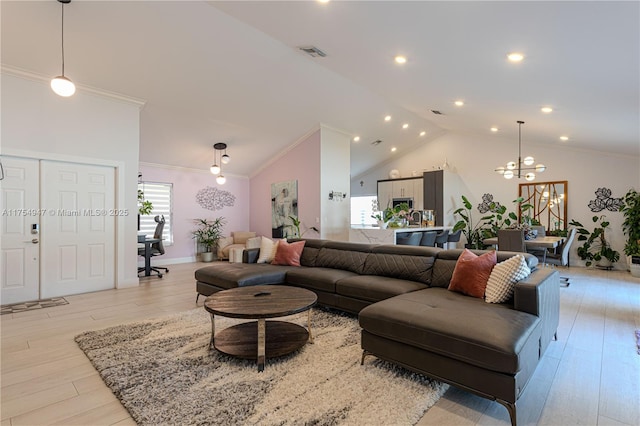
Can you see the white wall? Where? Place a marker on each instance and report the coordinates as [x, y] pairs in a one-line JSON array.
[[474, 158], [334, 171], [85, 128]]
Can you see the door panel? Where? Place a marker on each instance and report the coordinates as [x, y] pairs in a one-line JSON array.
[[78, 242], [20, 263]]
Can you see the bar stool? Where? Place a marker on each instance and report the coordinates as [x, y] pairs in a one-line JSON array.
[[453, 238], [428, 238], [442, 238], [409, 239]]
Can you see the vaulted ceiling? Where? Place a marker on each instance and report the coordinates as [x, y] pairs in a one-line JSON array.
[[231, 71]]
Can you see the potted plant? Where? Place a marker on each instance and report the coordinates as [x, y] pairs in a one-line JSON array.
[[478, 232], [631, 228], [296, 226], [208, 233], [383, 217], [595, 247], [145, 207]]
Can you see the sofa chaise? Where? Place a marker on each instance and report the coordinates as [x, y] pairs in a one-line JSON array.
[[409, 317]]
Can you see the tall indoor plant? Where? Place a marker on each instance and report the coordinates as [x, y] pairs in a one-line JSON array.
[[631, 228], [208, 233], [595, 246]]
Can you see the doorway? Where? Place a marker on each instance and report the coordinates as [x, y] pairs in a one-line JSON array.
[[58, 229]]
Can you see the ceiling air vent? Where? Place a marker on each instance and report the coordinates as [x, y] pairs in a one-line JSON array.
[[312, 51], [376, 142], [436, 112]]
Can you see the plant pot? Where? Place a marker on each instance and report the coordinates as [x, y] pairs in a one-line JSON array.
[[207, 256], [604, 263], [634, 265], [382, 224]]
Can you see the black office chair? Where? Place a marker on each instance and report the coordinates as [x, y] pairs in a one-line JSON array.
[[428, 238], [157, 249], [409, 239], [442, 238]]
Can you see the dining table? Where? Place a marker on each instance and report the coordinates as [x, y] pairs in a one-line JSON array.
[[541, 242]]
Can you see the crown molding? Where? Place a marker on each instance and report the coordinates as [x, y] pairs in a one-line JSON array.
[[32, 76]]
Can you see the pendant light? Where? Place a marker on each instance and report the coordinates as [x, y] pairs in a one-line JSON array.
[[514, 169], [61, 85], [224, 159]]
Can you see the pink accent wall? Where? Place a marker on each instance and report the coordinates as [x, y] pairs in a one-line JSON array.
[[186, 184], [301, 163]]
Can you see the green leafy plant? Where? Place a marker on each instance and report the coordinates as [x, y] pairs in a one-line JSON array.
[[595, 246], [296, 226], [474, 233], [631, 223], [393, 214], [209, 232], [145, 207]]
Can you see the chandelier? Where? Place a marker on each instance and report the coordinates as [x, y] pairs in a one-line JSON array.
[[215, 168], [523, 166]]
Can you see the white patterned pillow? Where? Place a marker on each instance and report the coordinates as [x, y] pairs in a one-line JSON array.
[[503, 278], [267, 250]]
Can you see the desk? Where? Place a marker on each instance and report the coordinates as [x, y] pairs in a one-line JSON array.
[[147, 253]]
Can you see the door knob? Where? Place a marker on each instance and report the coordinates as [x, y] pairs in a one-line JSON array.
[[34, 241]]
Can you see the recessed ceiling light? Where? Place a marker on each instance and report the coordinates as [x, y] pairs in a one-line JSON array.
[[356, 139], [494, 129], [515, 56], [546, 110], [387, 118], [422, 133], [400, 59], [459, 103], [405, 126], [323, 1], [564, 138], [393, 149]]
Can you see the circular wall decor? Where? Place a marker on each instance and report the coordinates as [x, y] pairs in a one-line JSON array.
[[394, 174]]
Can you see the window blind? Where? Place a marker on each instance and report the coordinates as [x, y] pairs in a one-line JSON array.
[[160, 195]]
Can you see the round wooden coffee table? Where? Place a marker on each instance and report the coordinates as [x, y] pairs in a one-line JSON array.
[[260, 339]]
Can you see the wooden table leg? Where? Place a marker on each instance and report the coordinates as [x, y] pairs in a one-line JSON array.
[[213, 331], [309, 326]]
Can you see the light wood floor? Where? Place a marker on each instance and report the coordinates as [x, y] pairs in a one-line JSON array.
[[590, 376]]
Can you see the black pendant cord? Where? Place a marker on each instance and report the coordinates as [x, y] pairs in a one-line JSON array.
[[62, 5]]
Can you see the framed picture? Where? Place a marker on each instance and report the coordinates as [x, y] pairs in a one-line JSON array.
[[284, 203]]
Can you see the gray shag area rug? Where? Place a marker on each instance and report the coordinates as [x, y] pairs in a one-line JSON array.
[[163, 372]]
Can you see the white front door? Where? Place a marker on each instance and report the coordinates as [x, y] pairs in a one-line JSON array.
[[20, 264], [78, 228]]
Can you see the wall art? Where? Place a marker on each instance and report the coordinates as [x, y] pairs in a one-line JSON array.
[[284, 203], [211, 198], [485, 206], [605, 201]]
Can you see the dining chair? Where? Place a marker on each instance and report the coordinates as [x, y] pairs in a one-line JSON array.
[[511, 240], [560, 257]]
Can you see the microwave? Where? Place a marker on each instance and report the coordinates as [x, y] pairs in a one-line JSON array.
[[397, 201]]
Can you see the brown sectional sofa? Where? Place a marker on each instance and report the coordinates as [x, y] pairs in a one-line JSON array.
[[409, 317]]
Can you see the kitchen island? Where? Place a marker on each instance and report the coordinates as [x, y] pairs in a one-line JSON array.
[[376, 235]]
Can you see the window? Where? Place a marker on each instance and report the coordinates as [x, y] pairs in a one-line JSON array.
[[362, 209], [160, 195]]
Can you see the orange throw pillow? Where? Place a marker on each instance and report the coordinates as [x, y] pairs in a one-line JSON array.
[[288, 254], [472, 272]]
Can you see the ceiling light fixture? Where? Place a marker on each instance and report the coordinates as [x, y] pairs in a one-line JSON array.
[[546, 109], [387, 118], [459, 103], [564, 138], [61, 85], [400, 59], [515, 169], [224, 159], [356, 139], [515, 57], [405, 126], [394, 149], [494, 129], [422, 133]]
